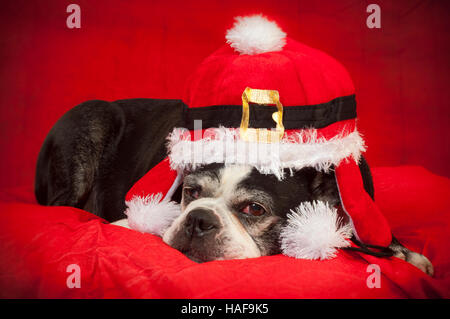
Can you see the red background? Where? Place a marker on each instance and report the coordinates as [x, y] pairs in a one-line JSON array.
[[132, 49]]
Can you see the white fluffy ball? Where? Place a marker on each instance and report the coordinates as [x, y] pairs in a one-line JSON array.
[[314, 231], [151, 214], [255, 34]]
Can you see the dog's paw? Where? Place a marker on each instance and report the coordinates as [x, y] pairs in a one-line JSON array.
[[421, 262], [418, 260]]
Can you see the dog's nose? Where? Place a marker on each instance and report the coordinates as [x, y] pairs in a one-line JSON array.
[[200, 222]]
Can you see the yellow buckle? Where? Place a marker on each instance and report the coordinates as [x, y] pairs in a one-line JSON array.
[[261, 134]]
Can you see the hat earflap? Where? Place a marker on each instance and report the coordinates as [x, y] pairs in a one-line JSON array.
[[313, 229]]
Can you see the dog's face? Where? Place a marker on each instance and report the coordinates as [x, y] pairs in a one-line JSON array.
[[236, 212]]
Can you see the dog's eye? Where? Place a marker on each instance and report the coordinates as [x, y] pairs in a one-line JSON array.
[[253, 209], [193, 192]]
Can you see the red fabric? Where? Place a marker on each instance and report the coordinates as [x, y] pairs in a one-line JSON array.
[[302, 76], [129, 49], [368, 221], [37, 244], [159, 180]]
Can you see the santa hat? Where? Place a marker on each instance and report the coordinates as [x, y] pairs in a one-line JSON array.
[[268, 101]]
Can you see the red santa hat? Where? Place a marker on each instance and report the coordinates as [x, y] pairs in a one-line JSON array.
[[268, 101]]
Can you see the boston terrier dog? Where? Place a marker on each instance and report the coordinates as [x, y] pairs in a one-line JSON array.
[[95, 153]]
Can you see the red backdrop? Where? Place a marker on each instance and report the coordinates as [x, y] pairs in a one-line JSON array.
[[131, 49]]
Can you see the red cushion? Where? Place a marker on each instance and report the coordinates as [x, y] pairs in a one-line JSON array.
[[37, 244]]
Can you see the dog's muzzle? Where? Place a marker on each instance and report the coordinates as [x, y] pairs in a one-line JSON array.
[[201, 222], [196, 233], [207, 231]]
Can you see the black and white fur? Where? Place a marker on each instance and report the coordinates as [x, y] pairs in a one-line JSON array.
[[214, 225], [98, 150]]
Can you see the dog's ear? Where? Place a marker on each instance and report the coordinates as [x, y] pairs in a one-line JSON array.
[[323, 187]]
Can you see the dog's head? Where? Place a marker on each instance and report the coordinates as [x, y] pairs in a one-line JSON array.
[[231, 212]]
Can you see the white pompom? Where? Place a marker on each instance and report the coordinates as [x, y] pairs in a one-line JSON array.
[[314, 231], [150, 214], [255, 34]]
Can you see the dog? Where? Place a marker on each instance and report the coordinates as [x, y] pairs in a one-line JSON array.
[[98, 150], [234, 211]]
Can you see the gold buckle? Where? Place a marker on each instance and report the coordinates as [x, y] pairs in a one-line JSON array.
[[261, 134]]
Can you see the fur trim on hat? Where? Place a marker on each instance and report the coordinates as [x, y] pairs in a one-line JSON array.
[[302, 149], [255, 34], [150, 214], [314, 231]]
